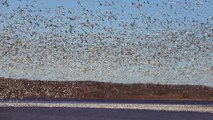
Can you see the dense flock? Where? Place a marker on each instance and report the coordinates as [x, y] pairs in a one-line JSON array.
[[136, 41]]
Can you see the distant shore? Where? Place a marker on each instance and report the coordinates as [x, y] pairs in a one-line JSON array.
[[36, 89]]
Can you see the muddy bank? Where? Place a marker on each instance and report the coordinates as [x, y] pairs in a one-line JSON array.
[[20, 89]]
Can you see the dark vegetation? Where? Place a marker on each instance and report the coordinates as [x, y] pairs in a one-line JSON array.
[[20, 89]]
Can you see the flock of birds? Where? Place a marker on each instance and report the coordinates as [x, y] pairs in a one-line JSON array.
[[112, 39]]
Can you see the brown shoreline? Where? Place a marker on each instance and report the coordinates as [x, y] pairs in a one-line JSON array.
[[23, 88]]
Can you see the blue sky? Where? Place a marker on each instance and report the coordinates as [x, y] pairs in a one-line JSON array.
[[181, 14], [200, 10]]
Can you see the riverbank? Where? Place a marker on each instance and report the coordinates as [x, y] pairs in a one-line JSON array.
[[22, 88]]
